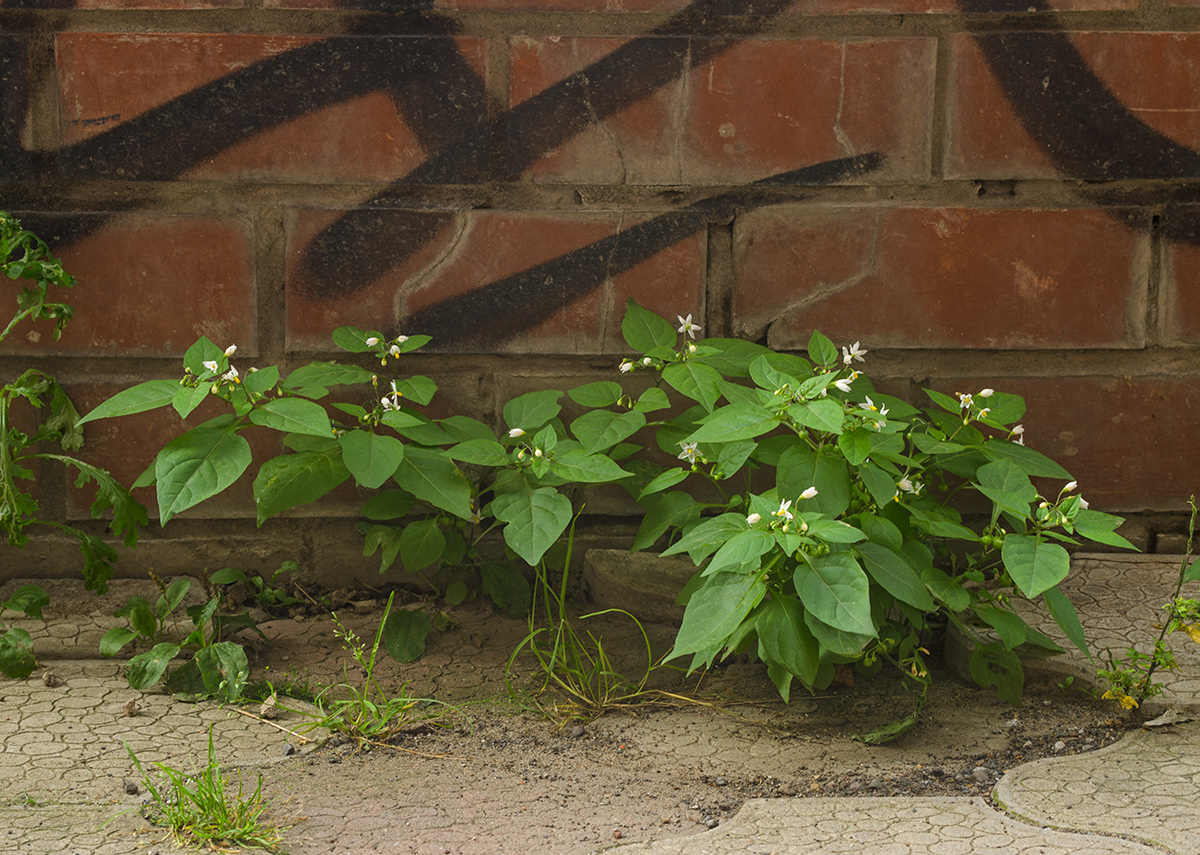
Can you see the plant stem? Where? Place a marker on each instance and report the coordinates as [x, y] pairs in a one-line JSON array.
[[1144, 685]]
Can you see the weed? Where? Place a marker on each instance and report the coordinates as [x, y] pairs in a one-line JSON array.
[[199, 809]]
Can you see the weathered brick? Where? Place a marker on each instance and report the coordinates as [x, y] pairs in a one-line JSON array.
[[728, 7], [938, 277], [672, 111], [1179, 307], [1091, 105], [14, 112], [148, 285], [281, 108], [143, 4], [479, 281], [125, 446], [1118, 436]]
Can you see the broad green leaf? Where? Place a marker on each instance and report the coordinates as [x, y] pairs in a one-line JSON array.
[[386, 538], [535, 518], [417, 389], [388, 505], [670, 510], [1067, 618], [116, 638], [603, 393], [824, 415], [1008, 626], [835, 531], [935, 522], [434, 478], [786, 639], [879, 484], [1193, 573], [199, 353], [856, 445], [714, 613], [733, 456], [835, 590], [354, 340], [735, 357], [1005, 484], [464, 428], [259, 382], [224, 669], [16, 654], [417, 427], [601, 429], [1100, 527], [663, 481], [187, 398], [993, 665], [800, 468], [882, 531], [643, 330], [29, 599], [583, 468], [821, 350], [146, 669], [946, 588], [927, 444], [507, 587], [1033, 564], [768, 377], [651, 400], [743, 548], [698, 381], [197, 465], [297, 479], [1031, 462], [371, 458], [404, 634], [532, 410], [421, 545], [706, 537], [895, 575], [836, 640], [313, 380], [481, 452], [293, 415], [137, 399], [735, 422], [950, 405]]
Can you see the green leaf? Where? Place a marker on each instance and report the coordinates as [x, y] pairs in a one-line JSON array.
[[464, 428], [835, 590], [993, 665], [735, 422], [1031, 462], [879, 484], [137, 399], [313, 380], [786, 639], [16, 654], [663, 481], [714, 613], [385, 536], [199, 353], [197, 465], [187, 398], [856, 445], [744, 547], [1067, 618], [388, 505], [736, 355], [837, 641], [835, 531], [260, 381], [825, 415], [421, 545], [821, 350], [604, 393], [481, 452], [224, 670], [297, 479], [1193, 573], [583, 468], [29, 599], [946, 588], [293, 415], [651, 400], [670, 510], [1033, 564], [417, 388], [507, 587], [433, 478], [895, 575], [370, 457], [1008, 626], [935, 522], [404, 634], [950, 405], [698, 381], [535, 518], [644, 330], [146, 669], [456, 592], [891, 731], [532, 410], [1005, 484], [800, 468], [116, 638], [707, 536], [1100, 527], [601, 429]]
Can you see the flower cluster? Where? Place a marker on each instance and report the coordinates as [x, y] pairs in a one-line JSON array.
[[384, 349]]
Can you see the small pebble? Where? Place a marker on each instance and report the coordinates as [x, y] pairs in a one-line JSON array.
[[711, 822], [980, 774], [617, 834], [1013, 722], [578, 731], [131, 787], [477, 641], [288, 749], [721, 782], [129, 708], [1059, 746], [267, 710], [49, 680]]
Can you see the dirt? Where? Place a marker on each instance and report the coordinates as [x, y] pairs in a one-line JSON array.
[[491, 776]]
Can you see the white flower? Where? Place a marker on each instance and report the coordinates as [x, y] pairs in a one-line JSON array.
[[871, 405], [753, 518], [783, 509], [909, 486], [392, 401], [844, 384], [1071, 485], [809, 493], [1019, 433], [231, 375], [515, 432], [537, 452], [689, 451], [400, 339], [984, 413], [853, 353], [987, 393], [686, 326], [394, 350], [966, 401], [691, 348], [372, 341], [1083, 503], [387, 404], [211, 364], [647, 361], [231, 350], [626, 366]]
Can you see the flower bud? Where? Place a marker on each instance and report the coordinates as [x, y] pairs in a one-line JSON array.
[[231, 350], [809, 493], [537, 452], [372, 341], [753, 518], [515, 432], [1071, 485], [987, 393]]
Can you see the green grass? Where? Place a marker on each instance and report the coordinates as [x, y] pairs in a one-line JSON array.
[[202, 810]]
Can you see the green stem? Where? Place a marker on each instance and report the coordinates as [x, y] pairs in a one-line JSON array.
[[1144, 685]]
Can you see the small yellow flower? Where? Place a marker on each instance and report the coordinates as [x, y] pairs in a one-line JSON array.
[[1193, 631]]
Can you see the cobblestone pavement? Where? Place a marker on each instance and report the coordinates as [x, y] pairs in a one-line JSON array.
[[64, 765]]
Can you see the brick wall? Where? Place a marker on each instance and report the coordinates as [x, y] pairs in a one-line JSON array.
[[983, 192]]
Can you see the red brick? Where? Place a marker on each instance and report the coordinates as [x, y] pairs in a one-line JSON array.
[[1119, 437], [14, 110], [940, 278], [125, 446], [158, 4], [800, 7], [1155, 76], [107, 80], [148, 286], [761, 107], [469, 251], [1179, 309]]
